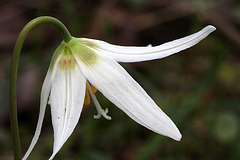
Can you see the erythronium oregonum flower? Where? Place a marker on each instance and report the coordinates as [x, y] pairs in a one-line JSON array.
[[80, 61]]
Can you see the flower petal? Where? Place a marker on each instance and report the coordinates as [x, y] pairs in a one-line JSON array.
[[136, 54], [66, 100], [44, 98], [122, 90]]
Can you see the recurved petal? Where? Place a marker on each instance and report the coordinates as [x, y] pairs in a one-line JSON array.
[[66, 100], [44, 98], [122, 90], [136, 54], [43, 103]]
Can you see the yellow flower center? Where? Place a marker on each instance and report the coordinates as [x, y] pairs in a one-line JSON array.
[[83, 52]]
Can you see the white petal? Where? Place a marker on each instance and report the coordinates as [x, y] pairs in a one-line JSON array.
[[43, 103], [122, 90], [44, 96], [66, 100], [136, 54]]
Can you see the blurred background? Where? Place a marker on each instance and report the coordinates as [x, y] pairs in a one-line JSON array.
[[198, 88]]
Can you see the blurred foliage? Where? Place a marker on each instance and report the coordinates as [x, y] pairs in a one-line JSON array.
[[198, 88]]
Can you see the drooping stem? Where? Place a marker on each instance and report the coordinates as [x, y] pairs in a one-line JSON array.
[[13, 75]]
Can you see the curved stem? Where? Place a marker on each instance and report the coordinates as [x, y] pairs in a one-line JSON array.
[[13, 75]]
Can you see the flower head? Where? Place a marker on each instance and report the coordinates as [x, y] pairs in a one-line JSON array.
[[80, 61]]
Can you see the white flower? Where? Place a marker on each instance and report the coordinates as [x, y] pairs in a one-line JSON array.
[[82, 60]]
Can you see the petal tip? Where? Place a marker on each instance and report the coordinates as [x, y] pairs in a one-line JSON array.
[[177, 137], [210, 28], [175, 134]]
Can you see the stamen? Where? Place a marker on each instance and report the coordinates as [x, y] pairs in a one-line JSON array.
[[87, 98], [101, 112]]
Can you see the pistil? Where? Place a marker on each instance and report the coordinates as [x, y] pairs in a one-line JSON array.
[[101, 112]]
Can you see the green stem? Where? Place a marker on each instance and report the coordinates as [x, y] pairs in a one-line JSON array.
[[13, 75]]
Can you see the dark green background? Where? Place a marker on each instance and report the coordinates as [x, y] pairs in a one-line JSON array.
[[198, 88]]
